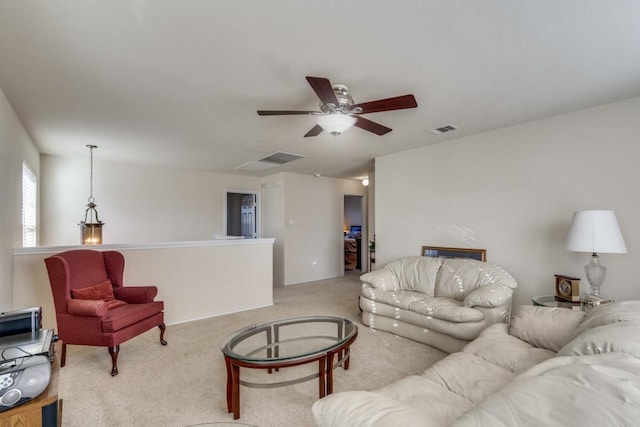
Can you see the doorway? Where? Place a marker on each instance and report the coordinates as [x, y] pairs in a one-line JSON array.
[[241, 214], [355, 251]]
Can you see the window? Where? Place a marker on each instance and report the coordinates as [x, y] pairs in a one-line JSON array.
[[29, 197]]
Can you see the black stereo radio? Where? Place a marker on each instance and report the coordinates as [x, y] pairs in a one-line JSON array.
[[22, 379]]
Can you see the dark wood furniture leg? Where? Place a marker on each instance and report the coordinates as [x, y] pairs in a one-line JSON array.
[[227, 362], [329, 365], [162, 329], [113, 351], [322, 377], [63, 356], [235, 390]]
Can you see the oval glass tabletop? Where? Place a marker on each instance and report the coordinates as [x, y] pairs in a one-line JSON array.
[[288, 339]]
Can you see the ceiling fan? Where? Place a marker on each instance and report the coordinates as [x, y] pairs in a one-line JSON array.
[[338, 112]]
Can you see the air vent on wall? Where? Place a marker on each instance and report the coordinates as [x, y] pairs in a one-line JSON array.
[[443, 129], [271, 161]]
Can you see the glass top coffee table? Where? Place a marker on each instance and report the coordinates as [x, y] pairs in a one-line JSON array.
[[288, 342]]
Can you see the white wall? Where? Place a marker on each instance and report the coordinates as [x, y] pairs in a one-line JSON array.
[[137, 203], [158, 204], [15, 147], [274, 222], [513, 192], [307, 216], [194, 279], [371, 203]]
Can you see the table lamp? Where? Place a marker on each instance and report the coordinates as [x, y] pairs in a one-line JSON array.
[[595, 231]]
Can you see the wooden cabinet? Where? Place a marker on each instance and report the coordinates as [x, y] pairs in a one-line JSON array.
[[45, 410]]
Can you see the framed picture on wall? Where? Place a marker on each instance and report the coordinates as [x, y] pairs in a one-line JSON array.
[[439, 251]]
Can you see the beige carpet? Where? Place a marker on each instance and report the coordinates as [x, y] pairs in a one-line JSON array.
[[184, 383]]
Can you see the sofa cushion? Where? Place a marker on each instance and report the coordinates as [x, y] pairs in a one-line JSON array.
[[410, 324], [558, 392], [459, 276], [128, 314], [468, 376], [496, 346], [436, 403], [369, 409], [446, 309], [417, 273], [546, 327], [401, 299]]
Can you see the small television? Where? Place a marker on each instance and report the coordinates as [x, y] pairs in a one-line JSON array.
[[355, 231]]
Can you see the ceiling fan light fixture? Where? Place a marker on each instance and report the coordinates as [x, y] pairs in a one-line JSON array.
[[337, 123]]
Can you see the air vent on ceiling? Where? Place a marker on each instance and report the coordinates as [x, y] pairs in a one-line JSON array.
[[443, 129], [271, 161], [281, 158]]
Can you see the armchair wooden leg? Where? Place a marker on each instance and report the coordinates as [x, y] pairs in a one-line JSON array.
[[113, 351], [63, 356], [162, 329]]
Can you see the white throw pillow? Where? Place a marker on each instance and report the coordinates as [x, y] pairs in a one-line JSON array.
[[545, 327]]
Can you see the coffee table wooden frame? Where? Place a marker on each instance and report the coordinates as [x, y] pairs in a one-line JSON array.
[[324, 357]]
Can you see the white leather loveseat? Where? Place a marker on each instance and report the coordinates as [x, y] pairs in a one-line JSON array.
[[443, 302], [551, 367]]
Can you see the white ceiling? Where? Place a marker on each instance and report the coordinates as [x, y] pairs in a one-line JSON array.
[[179, 82]]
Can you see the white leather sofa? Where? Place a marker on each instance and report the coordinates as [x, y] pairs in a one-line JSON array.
[[550, 367], [443, 302]]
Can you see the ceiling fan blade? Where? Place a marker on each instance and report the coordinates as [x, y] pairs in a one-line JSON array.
[[322, 87], [315, 131], [374, 127], [284, 112], [388, 104]]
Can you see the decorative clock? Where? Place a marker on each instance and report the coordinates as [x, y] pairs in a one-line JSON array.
[[567, 288]]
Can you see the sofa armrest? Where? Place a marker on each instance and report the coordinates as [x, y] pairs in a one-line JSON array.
[[86, 307], [135, 294], [493, 295], [382, 279]]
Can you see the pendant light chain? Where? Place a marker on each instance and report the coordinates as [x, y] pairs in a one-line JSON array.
[[91, 199]]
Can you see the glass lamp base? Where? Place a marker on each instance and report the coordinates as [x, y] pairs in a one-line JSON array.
[[595, 274]]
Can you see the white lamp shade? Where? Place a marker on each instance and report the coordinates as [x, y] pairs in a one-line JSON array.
[[336, 123], [595, 232]]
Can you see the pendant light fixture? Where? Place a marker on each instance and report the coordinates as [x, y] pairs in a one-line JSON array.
[[91, 227]]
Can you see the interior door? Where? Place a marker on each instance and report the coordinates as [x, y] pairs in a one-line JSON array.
[[241, 216], [248, 216]]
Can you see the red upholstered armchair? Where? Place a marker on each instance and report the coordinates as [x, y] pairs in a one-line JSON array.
[[92, 305]]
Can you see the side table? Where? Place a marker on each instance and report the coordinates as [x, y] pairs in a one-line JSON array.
[[551, 301]]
